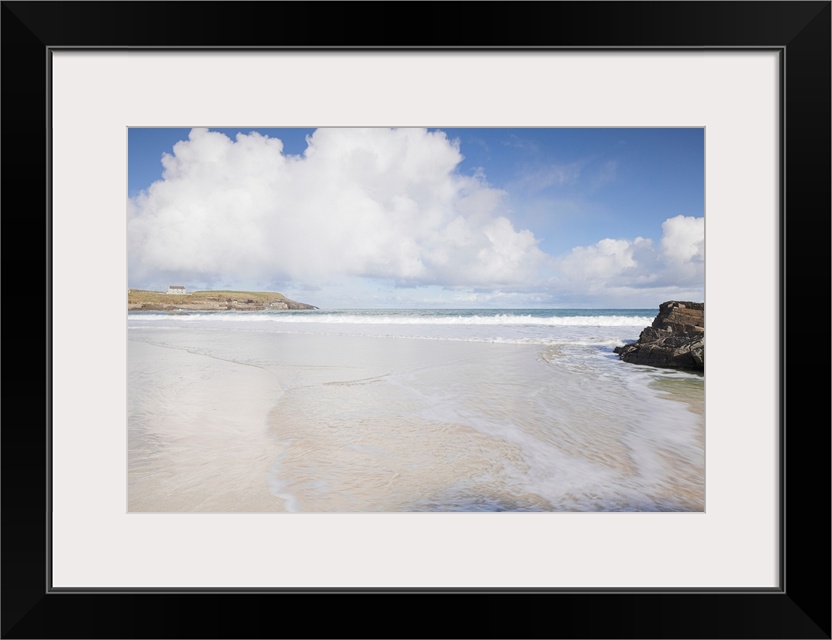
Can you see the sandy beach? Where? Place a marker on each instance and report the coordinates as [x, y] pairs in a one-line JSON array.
[[198, 435], [245, 420]]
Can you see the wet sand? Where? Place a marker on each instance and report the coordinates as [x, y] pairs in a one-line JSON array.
[[249, 421], [198, 434]]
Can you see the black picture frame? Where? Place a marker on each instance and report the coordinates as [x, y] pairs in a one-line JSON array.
[[799, 608]]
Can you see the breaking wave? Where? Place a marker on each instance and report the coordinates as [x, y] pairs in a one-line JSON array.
[[414, 318]]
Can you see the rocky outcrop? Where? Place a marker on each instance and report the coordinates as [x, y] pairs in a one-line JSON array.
[[676, 338]]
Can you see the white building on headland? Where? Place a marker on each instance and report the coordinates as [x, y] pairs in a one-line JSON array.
[[176, 288]]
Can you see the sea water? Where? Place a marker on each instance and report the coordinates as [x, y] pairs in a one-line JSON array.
[[407, 411]]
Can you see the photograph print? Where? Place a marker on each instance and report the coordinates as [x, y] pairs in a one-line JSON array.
[[380, 320]]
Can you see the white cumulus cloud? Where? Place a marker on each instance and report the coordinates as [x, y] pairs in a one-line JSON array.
[[379, 203], [626, 271], [683, 239], [601, 261]]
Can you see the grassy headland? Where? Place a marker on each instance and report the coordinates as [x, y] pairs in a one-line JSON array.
[[140, 299]]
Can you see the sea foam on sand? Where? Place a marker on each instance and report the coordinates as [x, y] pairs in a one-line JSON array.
[[235, 420]]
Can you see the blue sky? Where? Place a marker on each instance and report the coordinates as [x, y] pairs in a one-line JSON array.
[[524, 218]]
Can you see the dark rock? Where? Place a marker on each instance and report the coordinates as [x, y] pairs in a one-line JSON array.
[[676, 338]]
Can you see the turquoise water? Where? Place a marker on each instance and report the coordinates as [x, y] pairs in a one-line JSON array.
[[603, 327]]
